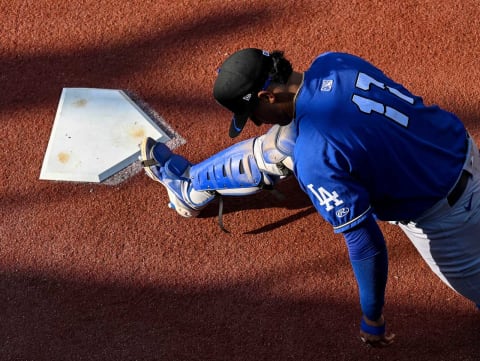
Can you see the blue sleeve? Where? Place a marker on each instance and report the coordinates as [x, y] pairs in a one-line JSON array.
[[327, 178], [369, 259]]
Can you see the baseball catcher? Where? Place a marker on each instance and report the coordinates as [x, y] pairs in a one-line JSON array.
[[362, 147]]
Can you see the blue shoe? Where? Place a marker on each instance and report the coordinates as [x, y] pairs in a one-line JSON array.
[[149, 163], [171, 170], [157, 155]]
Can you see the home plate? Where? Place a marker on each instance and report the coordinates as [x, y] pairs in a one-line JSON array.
[[96, 134]]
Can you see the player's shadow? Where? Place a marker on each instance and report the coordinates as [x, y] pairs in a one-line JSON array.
[[287, 194]]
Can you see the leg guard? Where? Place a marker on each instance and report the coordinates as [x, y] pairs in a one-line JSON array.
[[233, 171], [244, 168], [248, 166]]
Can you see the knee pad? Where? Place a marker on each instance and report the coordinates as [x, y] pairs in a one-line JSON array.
[[277, 146]]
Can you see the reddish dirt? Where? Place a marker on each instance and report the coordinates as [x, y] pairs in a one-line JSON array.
[[96, 272]]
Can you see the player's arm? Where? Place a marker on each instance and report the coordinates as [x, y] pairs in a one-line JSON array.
[[368, 256]]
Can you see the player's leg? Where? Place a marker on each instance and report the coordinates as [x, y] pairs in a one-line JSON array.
[[244, 168], [448, 237]]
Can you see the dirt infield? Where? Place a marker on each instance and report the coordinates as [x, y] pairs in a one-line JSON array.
[[98, 272]]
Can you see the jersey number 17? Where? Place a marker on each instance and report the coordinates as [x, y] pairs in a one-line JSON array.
[[367, 105]]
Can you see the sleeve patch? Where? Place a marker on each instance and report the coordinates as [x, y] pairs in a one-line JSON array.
[[325, 198]]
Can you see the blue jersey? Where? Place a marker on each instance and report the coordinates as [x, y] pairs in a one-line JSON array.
[[367, 145]]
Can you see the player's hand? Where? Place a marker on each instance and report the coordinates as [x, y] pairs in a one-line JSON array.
[[376, 341], [372, 333]]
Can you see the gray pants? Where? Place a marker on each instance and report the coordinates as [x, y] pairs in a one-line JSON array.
[[448, 237]]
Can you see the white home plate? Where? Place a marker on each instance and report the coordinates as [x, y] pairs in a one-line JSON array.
[[96, 134]]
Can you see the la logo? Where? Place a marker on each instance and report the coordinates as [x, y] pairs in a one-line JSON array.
[[325, 198]]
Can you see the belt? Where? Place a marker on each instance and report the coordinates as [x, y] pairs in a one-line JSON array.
[[459, 188]]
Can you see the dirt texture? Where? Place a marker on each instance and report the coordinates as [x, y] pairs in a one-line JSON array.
[[101, 272]]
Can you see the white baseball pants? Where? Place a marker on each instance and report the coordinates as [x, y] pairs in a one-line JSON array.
[[448, 237]]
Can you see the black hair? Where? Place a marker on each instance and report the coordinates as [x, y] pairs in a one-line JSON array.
[[281, 68]]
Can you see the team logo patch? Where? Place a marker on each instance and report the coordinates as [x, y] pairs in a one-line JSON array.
[[326, 85], [342, 212], [326, 198]]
